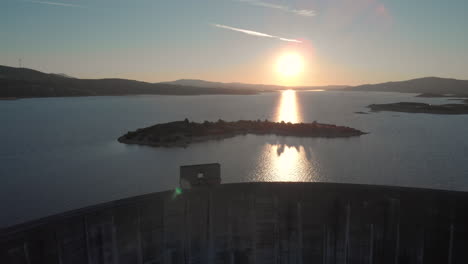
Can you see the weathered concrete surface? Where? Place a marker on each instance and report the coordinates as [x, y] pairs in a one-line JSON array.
[[254, 223]]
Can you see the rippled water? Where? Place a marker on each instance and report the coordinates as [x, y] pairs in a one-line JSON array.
[[58, 154]]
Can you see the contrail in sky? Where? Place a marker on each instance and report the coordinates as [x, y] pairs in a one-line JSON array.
[[255, 33], [300, 12], [54, 3]]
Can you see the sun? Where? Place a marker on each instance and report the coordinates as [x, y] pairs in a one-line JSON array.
[[289, 65]]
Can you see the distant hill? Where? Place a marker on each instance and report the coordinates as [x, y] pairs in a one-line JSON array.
[[325, 87], [429, 85], [259, 87], [63, 75], [235, 85], [23, 82]]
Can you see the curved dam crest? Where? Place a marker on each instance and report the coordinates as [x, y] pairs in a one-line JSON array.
[[254, 223]]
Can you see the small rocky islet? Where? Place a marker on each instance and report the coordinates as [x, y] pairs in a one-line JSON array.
[[412, 107], [182, 133]]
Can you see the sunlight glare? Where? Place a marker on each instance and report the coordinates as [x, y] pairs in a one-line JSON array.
[[289, 65]]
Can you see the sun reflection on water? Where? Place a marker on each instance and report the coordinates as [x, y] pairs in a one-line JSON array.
[[281, 161], [287, 109]]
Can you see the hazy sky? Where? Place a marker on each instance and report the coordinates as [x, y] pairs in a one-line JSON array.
[[341, 41]]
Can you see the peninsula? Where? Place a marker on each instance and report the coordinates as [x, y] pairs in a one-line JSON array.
[[182, 133], [411, 107]]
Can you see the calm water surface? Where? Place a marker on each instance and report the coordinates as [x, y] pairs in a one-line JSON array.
[[58, 154]]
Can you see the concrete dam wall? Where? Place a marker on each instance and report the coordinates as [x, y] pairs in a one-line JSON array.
[[254, 223]]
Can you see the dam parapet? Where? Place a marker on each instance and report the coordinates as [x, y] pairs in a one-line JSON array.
[[254, 223]]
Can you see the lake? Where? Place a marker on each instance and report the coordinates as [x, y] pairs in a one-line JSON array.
[[59, 154]]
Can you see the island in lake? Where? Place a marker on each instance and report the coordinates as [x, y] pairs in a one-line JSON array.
[[411, 107], [182, 133], [436, 95]]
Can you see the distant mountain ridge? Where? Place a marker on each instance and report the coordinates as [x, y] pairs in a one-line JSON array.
[[23, 82], [208, 84], [259, 87], [63, 75], [430, 85]]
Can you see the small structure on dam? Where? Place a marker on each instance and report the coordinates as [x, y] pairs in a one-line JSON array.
[[254, 223], [200, 175]]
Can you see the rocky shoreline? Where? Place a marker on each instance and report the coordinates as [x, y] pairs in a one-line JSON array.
[[182, 133]]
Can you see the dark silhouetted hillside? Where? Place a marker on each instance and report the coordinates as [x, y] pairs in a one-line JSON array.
[[429, 85], [235, 85], [63, 75], [258, 87], [22, 82]]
